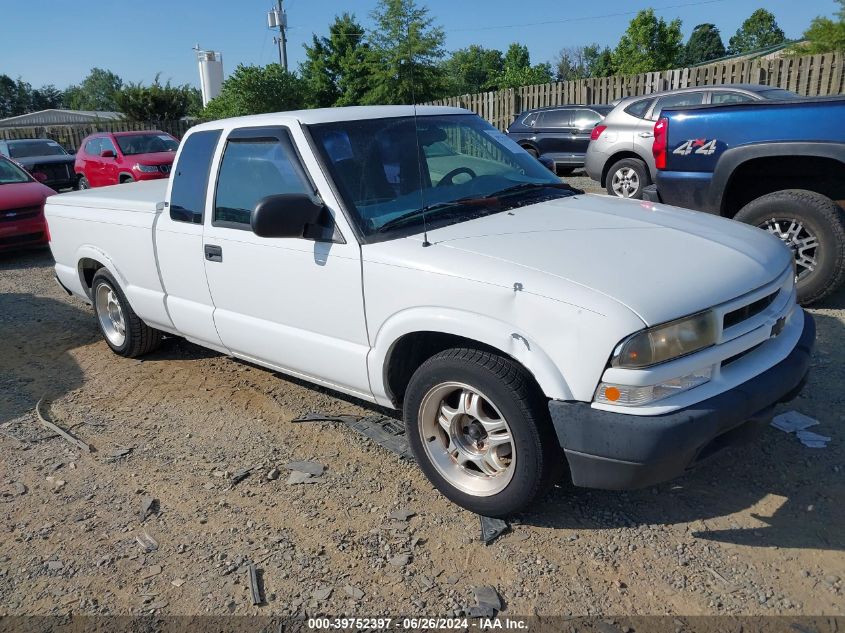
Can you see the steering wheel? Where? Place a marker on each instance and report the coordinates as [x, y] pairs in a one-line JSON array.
[[447, 179]]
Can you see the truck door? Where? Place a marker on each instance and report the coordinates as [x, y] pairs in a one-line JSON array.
[[178, 241], [295, 304]]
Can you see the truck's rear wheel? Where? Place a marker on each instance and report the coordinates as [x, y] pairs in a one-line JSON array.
[[124, 332], [813, 227], [481, 432]]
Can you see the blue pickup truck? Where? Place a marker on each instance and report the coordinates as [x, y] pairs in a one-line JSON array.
[[777, 165]]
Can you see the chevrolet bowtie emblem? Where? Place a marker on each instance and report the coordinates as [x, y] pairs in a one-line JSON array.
[[777, 328]]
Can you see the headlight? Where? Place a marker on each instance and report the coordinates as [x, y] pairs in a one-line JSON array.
[[666, 342], [146, 168], [628, 396]]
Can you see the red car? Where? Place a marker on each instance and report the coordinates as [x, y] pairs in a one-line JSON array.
[[21, 208], [115, 158]]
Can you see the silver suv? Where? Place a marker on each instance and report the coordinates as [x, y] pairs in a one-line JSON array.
[[619, 155]]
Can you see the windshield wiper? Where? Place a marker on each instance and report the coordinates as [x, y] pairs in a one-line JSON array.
[[526, 186], [424, 211]]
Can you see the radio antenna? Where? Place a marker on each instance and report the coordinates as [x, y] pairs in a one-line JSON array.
[[419, 145]]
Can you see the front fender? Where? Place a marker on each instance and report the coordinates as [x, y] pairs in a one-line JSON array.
[[507, 338]]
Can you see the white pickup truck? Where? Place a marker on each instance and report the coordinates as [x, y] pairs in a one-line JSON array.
[[419, 259]]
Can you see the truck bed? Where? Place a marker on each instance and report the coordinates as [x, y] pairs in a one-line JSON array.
[[122, 216], [144, 197]]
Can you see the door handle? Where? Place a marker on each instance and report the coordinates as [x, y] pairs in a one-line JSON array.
[[646, 134], [213, 253]]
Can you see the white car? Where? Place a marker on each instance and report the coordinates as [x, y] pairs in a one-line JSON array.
[[420, 259]]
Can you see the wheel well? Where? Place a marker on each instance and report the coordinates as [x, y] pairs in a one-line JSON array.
[[87, 269], [613, 159], [413, 349], [124, 177], [760, 176]]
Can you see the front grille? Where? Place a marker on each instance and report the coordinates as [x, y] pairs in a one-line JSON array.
[[746, 312], [13, 215], [736, 357], [165, 169], [29, 238]]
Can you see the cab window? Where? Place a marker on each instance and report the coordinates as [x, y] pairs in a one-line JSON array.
[[190, 179], [252, 169]]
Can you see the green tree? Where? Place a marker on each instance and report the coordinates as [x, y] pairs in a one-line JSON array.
[[760, 30], [335, 67], [15, 96], [517, 69], [473, 69], [157, 102], [704, 44], [406, 48], [96, 92], [824, 35], [46, 97], [581, 62], [648, 44], [257, 89]]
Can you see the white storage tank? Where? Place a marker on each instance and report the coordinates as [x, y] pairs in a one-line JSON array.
[[211, 73]]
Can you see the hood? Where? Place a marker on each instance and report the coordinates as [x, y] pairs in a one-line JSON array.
[[30, 161], [156, 158], [23, 194], [661, 262]]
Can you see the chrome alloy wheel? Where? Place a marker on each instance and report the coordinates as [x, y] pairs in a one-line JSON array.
[[110, 315], [625, 182], [467, 439], [800, 240]]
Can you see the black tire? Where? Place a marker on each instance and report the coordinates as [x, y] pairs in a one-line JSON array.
[[140, 338], [640, 169], [125, 179], [538, 457], [531, 151], [820, 217], [82, 183]]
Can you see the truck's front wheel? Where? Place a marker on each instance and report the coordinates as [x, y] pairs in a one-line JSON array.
[[124, 332], [481, 432], [813, 227]]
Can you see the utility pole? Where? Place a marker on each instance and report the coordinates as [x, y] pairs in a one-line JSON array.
[[277, 18]]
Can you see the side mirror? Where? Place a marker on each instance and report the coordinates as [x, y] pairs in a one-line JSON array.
[[107, 153], [288, 215]]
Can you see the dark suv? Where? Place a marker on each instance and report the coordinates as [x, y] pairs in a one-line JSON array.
[[559, 135], [45, 159]]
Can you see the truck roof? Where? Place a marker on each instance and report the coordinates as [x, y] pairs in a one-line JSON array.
[[331, 115]]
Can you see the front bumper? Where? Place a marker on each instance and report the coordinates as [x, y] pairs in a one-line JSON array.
[[614, 451]]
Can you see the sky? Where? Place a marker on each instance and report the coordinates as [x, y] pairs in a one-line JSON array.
[[58, 41]]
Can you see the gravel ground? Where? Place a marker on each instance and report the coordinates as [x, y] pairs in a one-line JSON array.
[[754, 531]]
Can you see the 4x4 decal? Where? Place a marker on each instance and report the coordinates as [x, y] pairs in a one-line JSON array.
[[697, 145]]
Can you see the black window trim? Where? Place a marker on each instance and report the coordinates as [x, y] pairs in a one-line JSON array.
[[280, 134], [219, 133]]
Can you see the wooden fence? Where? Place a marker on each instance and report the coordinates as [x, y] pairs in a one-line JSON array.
[[811, 75], [70, 136]]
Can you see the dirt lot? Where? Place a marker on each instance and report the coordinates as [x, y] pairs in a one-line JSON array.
[[757, 531]]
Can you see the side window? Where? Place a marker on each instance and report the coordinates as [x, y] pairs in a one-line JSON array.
[[676, 101], [556, 118], [530, 119], [92, 147], [639, 108], [252, 169], [729, 97], [190, 180], [585, 119], [106, 144]]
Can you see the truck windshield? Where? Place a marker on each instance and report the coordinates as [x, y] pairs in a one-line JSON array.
[[403, 172], [11, 173], [27, 149], [146, 143]]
